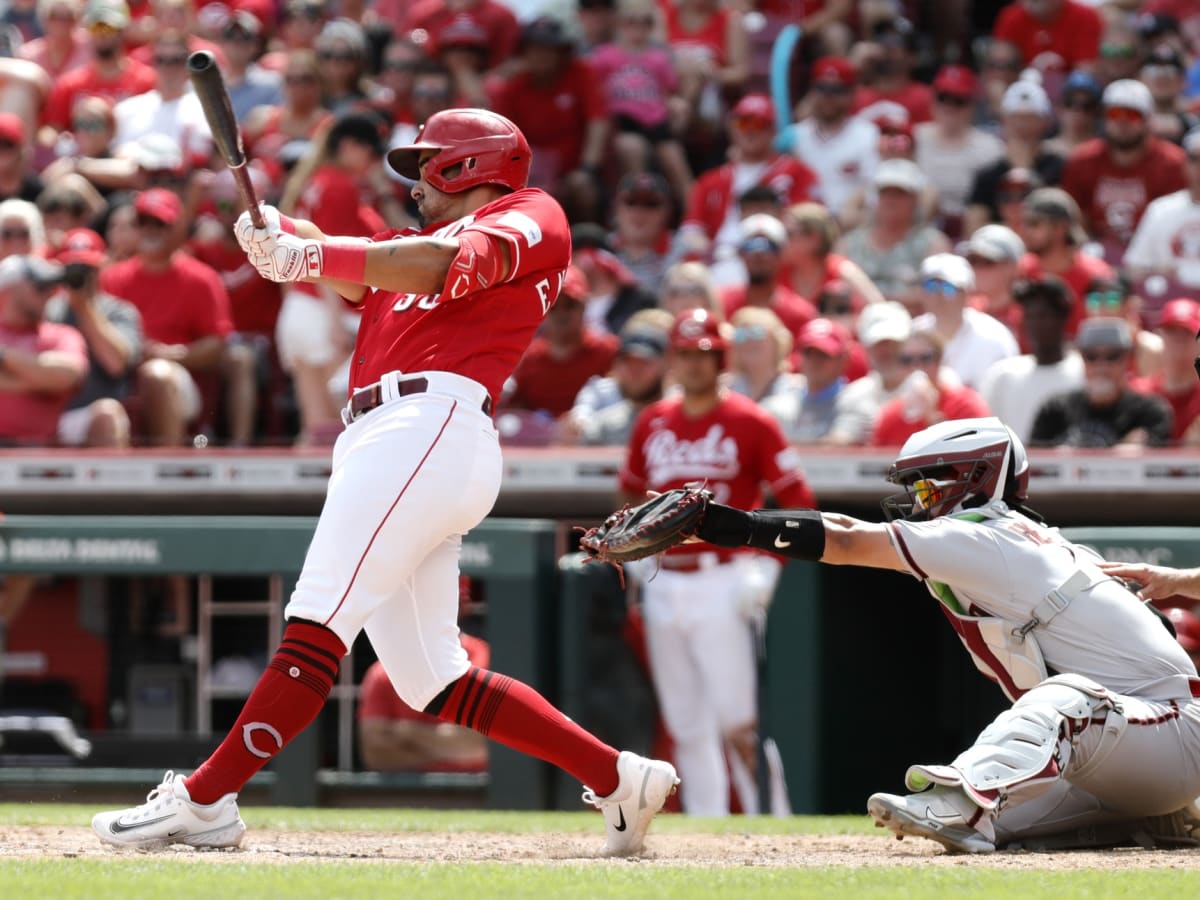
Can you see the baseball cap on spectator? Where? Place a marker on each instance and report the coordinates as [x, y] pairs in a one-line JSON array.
[[824, 336], [762, 233], [1079, 80], [1055, 203], [899, 173], [895, 32], [1152, 25], [995, 243], [242, 21], [833, 72], [646, 343], [1182, 312], [113, 13], [82, 247], [575, 285], [958, 81], [463, 31], [887, 321], [1025, 97], [1017, 184], [1104, 331], [545, 31], [262, 10], [160, 204], [26, 267], [1127, 93], [643, 189], [12, 129], [949, 267], [756, 107]]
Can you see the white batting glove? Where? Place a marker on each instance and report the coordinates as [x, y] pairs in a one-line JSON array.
[[258, 240], [290, 258]]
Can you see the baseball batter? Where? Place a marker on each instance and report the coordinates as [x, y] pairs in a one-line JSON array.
[[1104, 732], [446, 313], [699, 609]]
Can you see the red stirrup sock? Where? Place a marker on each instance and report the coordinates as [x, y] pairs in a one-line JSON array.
[[286, 699], [517, 716]]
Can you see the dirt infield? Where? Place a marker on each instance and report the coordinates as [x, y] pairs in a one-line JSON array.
[[731, 850]]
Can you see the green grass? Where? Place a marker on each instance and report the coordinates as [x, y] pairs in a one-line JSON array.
[[135, 876]]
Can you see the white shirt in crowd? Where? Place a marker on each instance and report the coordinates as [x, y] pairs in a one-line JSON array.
[[181, 120], [1167, 240], [843, 161], [1015, 389], [951, 168], [981, 341]]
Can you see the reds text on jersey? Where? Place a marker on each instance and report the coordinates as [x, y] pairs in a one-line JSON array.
[[478, 333]]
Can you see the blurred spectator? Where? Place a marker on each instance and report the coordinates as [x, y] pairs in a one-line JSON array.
[[1054, 238], [606, 407], [760, 250], [760, 346], [809, 263], [687, 285], [806, 405], [569, 146], [561, 359], [950, 150], [112, 329], [882, 330], [1106, 412], [1114, 296], [497, 21], [172, 109], [642, 236], [641, 93], [273, 130], [710, 228], [1053, 35], [711, 51], [15, 178], [597, 23], [1167, 241], [841, 148], [926, 395], [1000, 66], [1078, 113], [21, 229], [614, 294], [1176, 383], [110, 72], [119, 228], [67, 203], [87, 148], [1163, 71], [402, 59], [971, 340], [891, 81], [315, 330], [185, 320], [42, 363], [462, 47], [342, 55], [1013, 191], [64, 45], [165, 16], [254, 303], [20, 22], [1015, 389], [994, 253], [895, 142], [1114, 176], [242, 39], [300, 22], [840, 303], [1120, 53], [890, 246], [1026, 118]]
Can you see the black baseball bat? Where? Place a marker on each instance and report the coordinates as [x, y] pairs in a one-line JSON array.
[[214, 99]]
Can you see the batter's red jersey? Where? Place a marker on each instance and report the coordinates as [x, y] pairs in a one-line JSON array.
[[482, 333], [179, 304], [734, 450]]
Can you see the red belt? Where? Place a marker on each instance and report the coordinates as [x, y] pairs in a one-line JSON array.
[[362, 402], [694, 562]]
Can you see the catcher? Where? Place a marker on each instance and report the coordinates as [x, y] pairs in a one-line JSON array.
[[1104, 751]]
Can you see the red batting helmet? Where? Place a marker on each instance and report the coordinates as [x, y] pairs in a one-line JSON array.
[[490, 148], [697, 329]]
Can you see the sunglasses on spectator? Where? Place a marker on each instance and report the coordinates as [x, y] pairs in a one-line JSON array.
[[14, 234], [752, 123], [831, 87], [1160, 71], [1011, 197], [401, 65], [1103, 300], [1005, 65], [89, 125], [836, 306], [103, 28], [171, 61], [1108, 356], [8, 145], [1085, 104], [643, 201], [1118, 51], [1123, 114], [953, 100], [744, 333], [981, 262], [939, 286], [696, 289], [639, 21], [918, 359], [337, 56], [150, 222], [309, 15], [239, 35]]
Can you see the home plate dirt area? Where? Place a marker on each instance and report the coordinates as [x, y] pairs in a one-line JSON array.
[[701, 850]]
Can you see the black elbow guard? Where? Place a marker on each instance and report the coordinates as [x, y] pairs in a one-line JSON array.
[[795, 533]]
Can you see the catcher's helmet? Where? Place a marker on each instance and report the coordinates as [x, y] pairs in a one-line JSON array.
[[697, 329], [960, 463], [490, 148]]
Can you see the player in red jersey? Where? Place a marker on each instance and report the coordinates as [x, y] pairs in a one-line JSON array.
[[447, 311], [701, 608]]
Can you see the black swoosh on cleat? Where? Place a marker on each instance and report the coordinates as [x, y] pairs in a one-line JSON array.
[[621, 826], [118, 827]]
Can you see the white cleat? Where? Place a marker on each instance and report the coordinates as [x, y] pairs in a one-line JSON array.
[[170, 817], [643, 787], [933, 814]]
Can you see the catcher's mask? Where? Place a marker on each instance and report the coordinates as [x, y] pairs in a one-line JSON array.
[[962, 463]]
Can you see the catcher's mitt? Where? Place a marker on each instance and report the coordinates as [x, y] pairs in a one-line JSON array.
[[640, 531]]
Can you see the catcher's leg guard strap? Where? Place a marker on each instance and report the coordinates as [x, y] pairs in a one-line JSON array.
[[795, 533]]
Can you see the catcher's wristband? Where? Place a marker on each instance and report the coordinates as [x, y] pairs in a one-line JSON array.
[[795, 533]]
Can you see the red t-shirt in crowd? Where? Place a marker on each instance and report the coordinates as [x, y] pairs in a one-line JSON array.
[[1112, 198], [134, 78], [32, 416], [1084, 269], [733, 450], [479, 333], [793, 310], [712, 193], [915, 97], [253, 301], [958, 402], [338, 205], [1070, 39], [180, 304], [551, 385], [377, 699], [496, 19], [553, 117], [1185, 407], [709, 39]]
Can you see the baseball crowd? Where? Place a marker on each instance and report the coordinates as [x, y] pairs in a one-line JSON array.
[[950, 209]]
